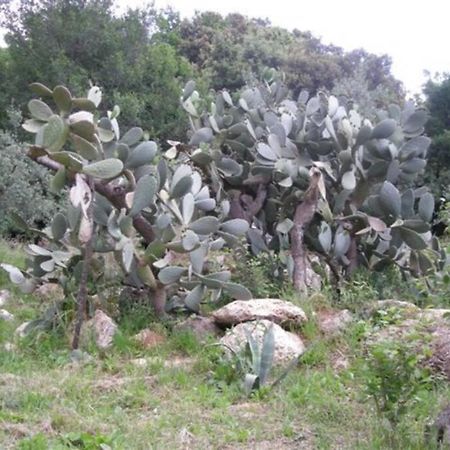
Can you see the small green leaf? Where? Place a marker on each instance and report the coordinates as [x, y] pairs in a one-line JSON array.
[[426, 207], [59, 226], [194, 298], [144, 153], [205, 225], [144, 194], [15, 275], [412, 239], [237, 291], [62, 98], [55, 134], [132, 136], [182, 187], [58, 181], [384, 129], [105, 169], [171, 274], [84, 147], [41, 90], [39, 110], [236, 227]]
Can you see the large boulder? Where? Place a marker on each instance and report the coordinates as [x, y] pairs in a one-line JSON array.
[[278, 311], [287, 345]]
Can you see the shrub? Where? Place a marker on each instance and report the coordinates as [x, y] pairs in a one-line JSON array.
[[23, 188]]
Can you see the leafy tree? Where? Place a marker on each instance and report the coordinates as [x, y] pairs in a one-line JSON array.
[[437, 94], [75, 42]]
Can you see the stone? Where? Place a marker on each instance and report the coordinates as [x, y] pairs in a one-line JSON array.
[[201, 327], [4, 296], [407, 308], [21, 330], [50, 291], [149, 339], [102, 328], [334, 322], [6, 315], [287, 345], [278, 311]]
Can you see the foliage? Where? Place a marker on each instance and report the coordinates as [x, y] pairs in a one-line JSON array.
[[157, 220], [228, 50], [395, 376], [253, 364], [23, 188], [437, 93], [313, 172], [74, 42]]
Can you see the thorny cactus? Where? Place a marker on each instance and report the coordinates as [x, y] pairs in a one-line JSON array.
[[158, 220], [313, 174]]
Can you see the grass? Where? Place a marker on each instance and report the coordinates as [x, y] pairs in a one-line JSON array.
[[187, 396]]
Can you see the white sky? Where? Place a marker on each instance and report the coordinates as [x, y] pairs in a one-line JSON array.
[[416, 34]]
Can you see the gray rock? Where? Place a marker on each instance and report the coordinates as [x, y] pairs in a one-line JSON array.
[[201, 327], [287, 345], [50, 290], [334, 322], [101, 328], [21, 330], [6, 315], [4, 296], [407, 308], [278, 311]]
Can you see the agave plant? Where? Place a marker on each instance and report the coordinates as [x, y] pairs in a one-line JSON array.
[[312, 174], [156, 221]]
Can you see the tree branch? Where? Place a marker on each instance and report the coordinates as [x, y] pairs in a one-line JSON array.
[[115, 194]]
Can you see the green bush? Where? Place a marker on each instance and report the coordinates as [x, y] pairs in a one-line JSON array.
[[23, 188]]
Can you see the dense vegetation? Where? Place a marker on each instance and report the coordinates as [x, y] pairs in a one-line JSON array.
[[250, 161]]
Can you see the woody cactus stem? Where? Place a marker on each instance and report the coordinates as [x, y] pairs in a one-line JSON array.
[[87, 259], [304, 213]]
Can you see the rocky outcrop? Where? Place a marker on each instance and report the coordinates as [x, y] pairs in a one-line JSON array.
[[278, 311]]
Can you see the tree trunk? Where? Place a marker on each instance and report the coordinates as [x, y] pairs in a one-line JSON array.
[[158, 299], [303, 216], [87, 258]]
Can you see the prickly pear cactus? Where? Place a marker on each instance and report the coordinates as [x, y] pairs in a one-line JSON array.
[[142, 219], [314, 169]]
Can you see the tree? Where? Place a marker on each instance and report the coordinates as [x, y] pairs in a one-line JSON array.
[[75, 42]]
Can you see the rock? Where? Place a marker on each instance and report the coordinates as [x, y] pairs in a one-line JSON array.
[[50, 290], [149, 339], [201, 327], [139, 362], [9, 347], [334, 322], [5, 315], [21, 330], [287, 345], [4, 296], [383, 305], [278, 311], [101, 328]]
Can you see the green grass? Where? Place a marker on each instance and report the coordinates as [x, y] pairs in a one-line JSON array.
[[188, 396]]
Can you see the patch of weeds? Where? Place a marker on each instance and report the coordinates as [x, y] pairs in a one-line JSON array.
[[185, 342], [396, 380], [37, 442]]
